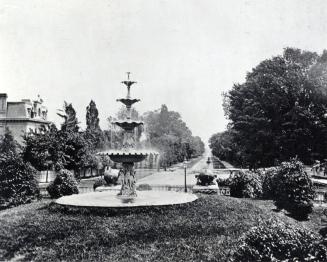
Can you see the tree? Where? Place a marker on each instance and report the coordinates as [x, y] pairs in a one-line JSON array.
[[70, 120], [92, 119], [17, 178], [279, 111], [223, 146], [63, 149], [8, 144], [167, 132], [93, 131]]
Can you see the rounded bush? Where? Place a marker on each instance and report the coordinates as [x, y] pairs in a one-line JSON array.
[[18, 184], [111, 179], [269, 183], [99, 182], [276, 241], [205, 179], [223, 182], [144, 187], [246, 184], [64, 184], [294, 189]]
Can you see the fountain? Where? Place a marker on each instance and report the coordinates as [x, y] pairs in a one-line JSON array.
[[128, 155]]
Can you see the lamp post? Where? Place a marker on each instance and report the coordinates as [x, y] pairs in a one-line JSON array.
[[185, 165], [208, 163]]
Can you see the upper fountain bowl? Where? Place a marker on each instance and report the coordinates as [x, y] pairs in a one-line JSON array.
[[128, 124]]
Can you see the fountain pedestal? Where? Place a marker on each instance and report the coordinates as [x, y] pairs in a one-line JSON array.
[[128, 188]]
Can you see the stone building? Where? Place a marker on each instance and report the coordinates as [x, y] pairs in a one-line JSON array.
[[22, 116]]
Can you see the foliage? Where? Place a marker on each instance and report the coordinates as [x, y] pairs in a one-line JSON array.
[[92, 119], [99, 182], [294, 191], [246, 184], [205, 179], [17, 178], [278, 112], [93, 131], [205, 230], [277, 241], [53, 147], [144, 187], [223, 147], [270, 183], [8, 144], [111, 179], [64, 184], [167, 132], [224, 182], [70, 120]]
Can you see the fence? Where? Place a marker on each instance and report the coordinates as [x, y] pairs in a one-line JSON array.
[[224, 191]]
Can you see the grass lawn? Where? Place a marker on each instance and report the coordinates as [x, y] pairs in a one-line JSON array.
[[206, 230]]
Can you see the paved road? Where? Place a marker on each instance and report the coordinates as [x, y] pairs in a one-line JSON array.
[[177, 176]]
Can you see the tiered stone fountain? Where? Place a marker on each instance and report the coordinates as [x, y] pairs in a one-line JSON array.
[[127, 156]]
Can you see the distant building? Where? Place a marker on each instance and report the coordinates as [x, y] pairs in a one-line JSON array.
[[22, 117]]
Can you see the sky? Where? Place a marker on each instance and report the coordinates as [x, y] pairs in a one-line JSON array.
[[182, 53]]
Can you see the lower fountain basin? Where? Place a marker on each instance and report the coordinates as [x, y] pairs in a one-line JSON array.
[[109, 199]]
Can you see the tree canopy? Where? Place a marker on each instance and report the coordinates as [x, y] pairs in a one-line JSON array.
[[279, 111], [167, 132]]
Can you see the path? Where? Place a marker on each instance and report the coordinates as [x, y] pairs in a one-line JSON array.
[[226, 164], [177, 176]]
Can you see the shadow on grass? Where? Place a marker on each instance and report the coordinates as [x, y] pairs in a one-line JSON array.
[[298, 218]]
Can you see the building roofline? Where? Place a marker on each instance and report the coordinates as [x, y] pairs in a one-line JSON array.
[[24, 119]]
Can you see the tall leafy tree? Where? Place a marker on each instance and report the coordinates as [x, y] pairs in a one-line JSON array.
[[69, 116], [92, 117], [93, 130], [17, 179], [279, 111], [170, 135]]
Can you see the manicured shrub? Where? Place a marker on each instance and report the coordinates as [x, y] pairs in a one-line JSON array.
[[111, 180], [224, 182], [64, 184], [269, 183], [18, 184], [294, 189], [144, 187], [205, 179], [276, 241], [246, 184], [99, 182]]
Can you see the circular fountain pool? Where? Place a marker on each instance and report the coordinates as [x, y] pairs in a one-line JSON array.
[[109, 199]]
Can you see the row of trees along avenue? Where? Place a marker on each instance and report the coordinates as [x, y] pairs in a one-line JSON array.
[[279, 112]]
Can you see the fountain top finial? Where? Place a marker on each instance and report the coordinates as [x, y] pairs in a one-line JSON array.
[[128, 83]]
